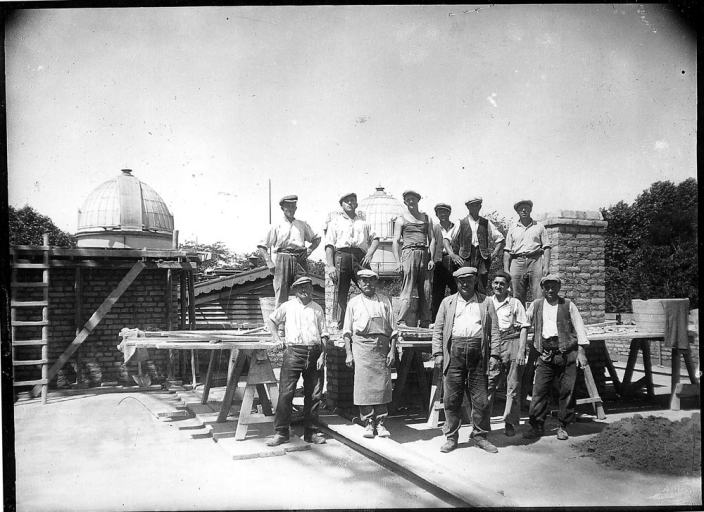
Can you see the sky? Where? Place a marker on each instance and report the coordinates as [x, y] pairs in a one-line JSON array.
[[573, 106]]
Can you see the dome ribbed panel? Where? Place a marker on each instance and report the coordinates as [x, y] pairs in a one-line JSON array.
[[381, 209], [155, 213], [101, 208]]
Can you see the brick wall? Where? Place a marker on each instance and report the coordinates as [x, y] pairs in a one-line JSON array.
[[142, 306], [577, 239]]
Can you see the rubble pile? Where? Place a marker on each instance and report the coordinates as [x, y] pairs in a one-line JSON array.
[[651, 444]]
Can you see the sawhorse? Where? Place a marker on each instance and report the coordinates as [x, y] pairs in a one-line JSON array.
[[260, 378]]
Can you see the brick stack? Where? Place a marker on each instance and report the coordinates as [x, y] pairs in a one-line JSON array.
[[142, 306], [577, 239]]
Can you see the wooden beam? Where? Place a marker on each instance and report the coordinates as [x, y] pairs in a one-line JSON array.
[[191, 301], [78, 298], [168, 298], [97, 316]]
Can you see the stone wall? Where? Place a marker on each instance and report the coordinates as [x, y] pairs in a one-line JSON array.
[[577, 239], [142, 306]]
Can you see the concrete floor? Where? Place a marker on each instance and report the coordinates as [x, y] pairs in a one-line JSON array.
[[108, 452], [542, 473]]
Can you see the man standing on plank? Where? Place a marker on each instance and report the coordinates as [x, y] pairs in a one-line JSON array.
[[442, 273], [349, 246], [370, 335], [416, 258], [288, 241]]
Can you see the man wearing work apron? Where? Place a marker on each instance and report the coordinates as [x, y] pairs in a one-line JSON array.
[[370, 337]]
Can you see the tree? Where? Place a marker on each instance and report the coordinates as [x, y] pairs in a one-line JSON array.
[[651, 246], [26, 227]]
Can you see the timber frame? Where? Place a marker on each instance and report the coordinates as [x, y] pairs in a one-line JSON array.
[[133, 261]]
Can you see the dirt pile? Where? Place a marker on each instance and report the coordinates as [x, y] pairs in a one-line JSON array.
[[651, 445]]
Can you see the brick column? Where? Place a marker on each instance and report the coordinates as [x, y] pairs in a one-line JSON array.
[[577, 239]]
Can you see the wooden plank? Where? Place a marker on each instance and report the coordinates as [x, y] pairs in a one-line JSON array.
[[28, 343], [185, 265], [28, 303], [30, 323], [28, 284], [35, 266], [36, 382], [232, 380], [30, 362], [95, 319]]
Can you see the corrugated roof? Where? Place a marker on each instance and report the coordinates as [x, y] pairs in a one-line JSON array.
[[248, 276]]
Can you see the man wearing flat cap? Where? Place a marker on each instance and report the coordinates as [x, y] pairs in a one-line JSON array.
[[473, 243], [370, 334], [461, 347], [288, 241], [446, 231], [415, 258], [527, 252], [304, 354], [559, 337], [350, 244]]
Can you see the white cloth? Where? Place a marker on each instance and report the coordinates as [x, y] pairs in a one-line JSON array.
[[510, 312], [289, 235], [468, 318], [362, 309], [305, 324], [343, 231]]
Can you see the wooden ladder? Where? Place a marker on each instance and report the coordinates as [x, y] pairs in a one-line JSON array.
[[16, 303]]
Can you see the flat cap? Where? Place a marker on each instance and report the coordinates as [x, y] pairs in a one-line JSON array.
[[475, 199], [443, 206], [365, 272], [302, 280], [288, 199], [551, 277], [522, 201], [348, 194], [465, 272], [412, 193]]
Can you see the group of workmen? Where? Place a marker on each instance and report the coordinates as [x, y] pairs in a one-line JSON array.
[[479, 340]]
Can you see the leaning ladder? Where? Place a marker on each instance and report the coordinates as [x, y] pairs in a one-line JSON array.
[[17, 303]]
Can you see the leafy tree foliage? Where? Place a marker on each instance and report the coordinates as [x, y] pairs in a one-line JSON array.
[[651, 246], [27, 225]]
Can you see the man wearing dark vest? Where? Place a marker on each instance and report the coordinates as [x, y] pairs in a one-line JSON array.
[[559, 335], [473, 242]]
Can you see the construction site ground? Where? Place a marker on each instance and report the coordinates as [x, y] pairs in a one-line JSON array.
[[157, 449]]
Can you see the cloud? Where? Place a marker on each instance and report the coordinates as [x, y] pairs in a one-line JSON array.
[[491, 99], [661, 145]]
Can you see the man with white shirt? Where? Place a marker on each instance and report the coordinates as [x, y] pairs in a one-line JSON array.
[[442, 273], [350, 244], [473, 242], [508, 315], [304, 353], [461, 338], [527, 253], [288, 241], [559, 337]]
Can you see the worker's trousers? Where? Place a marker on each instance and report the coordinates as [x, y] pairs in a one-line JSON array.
[[526, 272], [442, 278], [348, 261], [511, 373], [299, 359], [414, 265], [466, 372], [289, 267], [551, 367]]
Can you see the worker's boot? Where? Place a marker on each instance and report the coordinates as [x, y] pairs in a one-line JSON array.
[[279, 438], [449, 445], [369, 429], [381, 430]]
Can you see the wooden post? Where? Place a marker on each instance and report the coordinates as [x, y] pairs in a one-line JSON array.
[[168, 298], [182, 320], [78, 319], [45, 318]]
